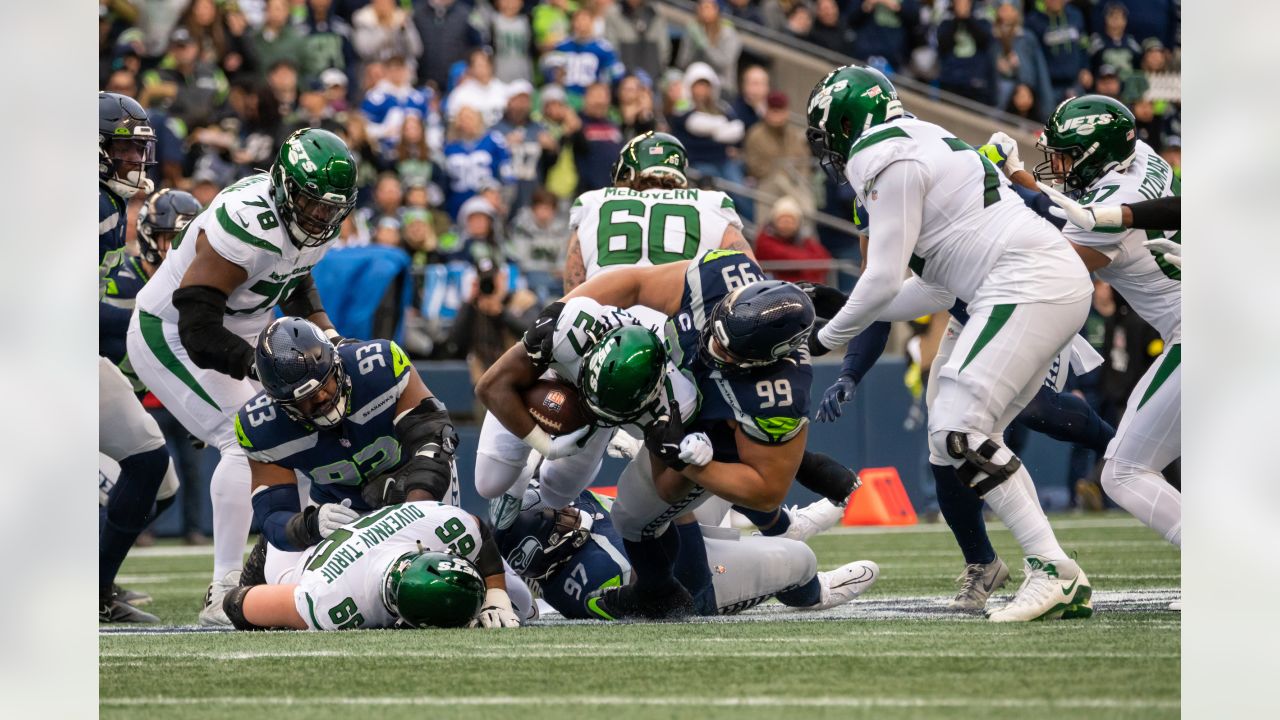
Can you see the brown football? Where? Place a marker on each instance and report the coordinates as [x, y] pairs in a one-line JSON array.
[[554, 406]]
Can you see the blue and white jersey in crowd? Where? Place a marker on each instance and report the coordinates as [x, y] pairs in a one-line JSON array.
[[112, 216], [121, 276], [770, 404], [447, 286], [472, 164], [577, 64], [339, 460], [386, 106]]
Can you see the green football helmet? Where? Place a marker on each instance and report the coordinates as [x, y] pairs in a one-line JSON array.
[[622, 374], [314, 185], [842, 107], [651, 154], [433, 589], [1084, 139]]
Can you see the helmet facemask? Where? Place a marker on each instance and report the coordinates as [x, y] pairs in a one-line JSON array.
[[123, 161], [628, 404], [311, 219], [327, 413]]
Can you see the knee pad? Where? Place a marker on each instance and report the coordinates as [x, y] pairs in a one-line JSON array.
[[978, 468], [1117, 473]]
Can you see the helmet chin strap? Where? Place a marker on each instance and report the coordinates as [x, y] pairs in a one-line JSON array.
[[132, 186]]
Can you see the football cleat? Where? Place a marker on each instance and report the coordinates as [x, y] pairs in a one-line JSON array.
[[977, 582], [845, 583], [114, 610], [1176, 605], [213, 615], [133, 597], [812, 519], [255, 566], [1056, 590], [625, 602]]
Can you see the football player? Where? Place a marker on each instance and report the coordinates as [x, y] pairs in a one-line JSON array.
[[650, 216], [191, 338], [126, 433], [1163, 213], [939, 208], [415, 564], [573, 554]]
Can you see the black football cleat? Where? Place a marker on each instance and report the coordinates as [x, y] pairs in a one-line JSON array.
[[255, 566], [626, 602], [117, 611], [133, 597]]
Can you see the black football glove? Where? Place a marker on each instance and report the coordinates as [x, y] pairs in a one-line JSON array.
[[827, 301], [816, 348], [539, 339], [663, 437]]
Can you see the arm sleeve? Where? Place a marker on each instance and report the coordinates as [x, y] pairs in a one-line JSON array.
[[864, 350], [916, 299], [1159, 214], [899, 211]]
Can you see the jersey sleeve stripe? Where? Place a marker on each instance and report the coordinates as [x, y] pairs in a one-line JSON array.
[[869, 140], [241, 233], [153, 334]]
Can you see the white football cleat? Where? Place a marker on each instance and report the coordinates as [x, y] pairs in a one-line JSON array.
[[812, 519], [1176, 605], [212, 614], [1051, 591], [977, 582], [845, 583]]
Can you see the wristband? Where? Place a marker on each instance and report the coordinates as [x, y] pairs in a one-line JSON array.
[[332, 335], [1108, 217], [539, 440]]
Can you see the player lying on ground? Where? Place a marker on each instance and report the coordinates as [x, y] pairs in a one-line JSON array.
[[1093, 152], [191, 338], [414, 564], [741, 339], [941, 209], [572, 555]]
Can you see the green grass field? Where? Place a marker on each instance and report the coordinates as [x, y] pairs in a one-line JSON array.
[[893, 653]]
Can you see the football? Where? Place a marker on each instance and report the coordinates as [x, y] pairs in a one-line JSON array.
[[554, 406]]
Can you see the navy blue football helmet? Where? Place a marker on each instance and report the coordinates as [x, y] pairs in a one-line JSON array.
[[160, 219], [126, 145], [295, 363], [542, 540], [756, 325]]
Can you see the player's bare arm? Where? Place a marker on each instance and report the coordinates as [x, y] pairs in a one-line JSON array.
[[733, 239], [1093, 259], [272, 606], [657, 287], [304, 302], [575, 270], [761, 478], [499, 389]]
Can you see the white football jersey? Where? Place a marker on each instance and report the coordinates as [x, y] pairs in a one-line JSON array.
[[243, 226], [584, 321], [340, 581], [621, 227], [978, 240], [1150, 284]]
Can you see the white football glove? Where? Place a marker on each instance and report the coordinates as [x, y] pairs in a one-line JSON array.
[[1105, 218], [622, 445], [1009, 148], [496, 612], [695, 449], [332, 516], [560, 446], [1172, 250]]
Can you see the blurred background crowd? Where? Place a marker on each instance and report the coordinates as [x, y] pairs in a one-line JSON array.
[[476, 123]]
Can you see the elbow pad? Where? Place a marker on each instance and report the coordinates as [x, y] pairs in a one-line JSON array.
[[210, 345], [824, 475], [304, 301], [426, 435]]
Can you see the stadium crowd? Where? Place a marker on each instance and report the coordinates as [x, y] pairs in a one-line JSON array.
[[475, 125]]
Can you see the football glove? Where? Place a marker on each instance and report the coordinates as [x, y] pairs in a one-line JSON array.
[[332, 516], [1002, 151], [695, 449], [539, 339], [1172, 251], [1104, 218], [663, 438], [622, 445], [496, 611], [560, 446], [838, 394]]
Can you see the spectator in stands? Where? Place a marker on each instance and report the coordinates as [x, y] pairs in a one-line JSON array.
[[282, 80], [192, 87], [276, 39], [774, 13], [777, 154], [387, 103], [561, 176], [966, 64], [220, 34], [474, 159], [1114, 46], [781, 239], [550, 20], [800, 20], [1162, 82], [335, 89], [526, 139], [597, 143], [635, 106], [639, 35], [326, 42], [536, 242], [388, 199], [447, 38], [1108, 82], [313, 111], [412, 155], [749, 106], [744, 10], [1146, 19], [1172, 154], [1020, 61], [1024, 103], [479, 89], [381, 30], [368, 156], [479, 232], [830, 29], [1060, 29], [711, 39], [508, 31], [884, 28], [493, 318], [582, 59]]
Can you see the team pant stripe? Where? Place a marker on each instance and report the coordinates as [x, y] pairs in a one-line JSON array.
[[153, 332], [1000, 315], [1171, 361]]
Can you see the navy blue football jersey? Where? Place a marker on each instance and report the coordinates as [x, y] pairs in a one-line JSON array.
[[120, 277], [339, 460], [112, 217], [770, 404]]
